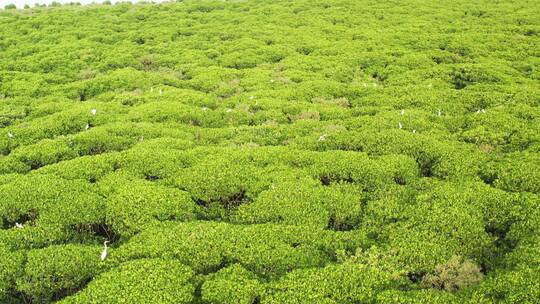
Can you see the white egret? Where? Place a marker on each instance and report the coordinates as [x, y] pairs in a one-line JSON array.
[[20, 226], [93, 111], [439, 113], [322, 137], [229, 110], [414, 131], [160, 92], [251, 97], [10, 135], [204, 108], [272, 80], [87, 127], [400, 125], [402, 112], [105, 251]]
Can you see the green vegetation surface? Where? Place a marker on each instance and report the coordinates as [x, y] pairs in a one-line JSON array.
[[245, 152]]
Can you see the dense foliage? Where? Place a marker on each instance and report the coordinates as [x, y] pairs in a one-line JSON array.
[[343, 151]]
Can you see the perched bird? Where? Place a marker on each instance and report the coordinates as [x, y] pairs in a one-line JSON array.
[[10, 135], [229, 110], [204, 108], [251, 97], [322, 137], [20, 226], [400, 125], [414, 131], [272, 80], [105, 251], [93, 111], [402, 112], [160, 92], [87, 127], [439, 113]]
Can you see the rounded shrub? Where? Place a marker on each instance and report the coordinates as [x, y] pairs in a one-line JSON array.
[[138, 203], [233, 284], [57, 271], [140, 281]]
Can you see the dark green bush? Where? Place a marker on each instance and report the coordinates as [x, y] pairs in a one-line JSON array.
[[11, 264], [267, 250], [135, 204], [308, 203], [90, 168], [418, 297], [58, 271], [518, 173], [519, 286], [438, 224], [140, 281], [99, 141], [233, 284], [229, 183], [346, 283], [49, 208], [44, 153]]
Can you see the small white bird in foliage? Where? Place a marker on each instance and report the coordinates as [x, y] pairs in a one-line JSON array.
[[10, 135], [322, 137], [204, 108], [402, 112], [251, 97], [20, 226], [229, 110], [160, 92], [439, 113], [414, 131], [272, 80], [400, 125], [87, 127], [93, 111], [105, 251]]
